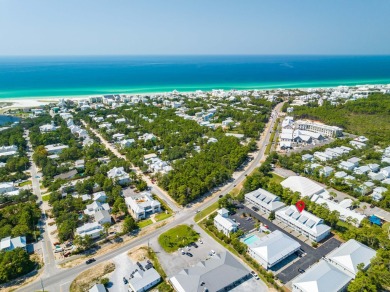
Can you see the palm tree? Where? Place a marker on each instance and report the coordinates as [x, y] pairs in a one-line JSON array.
[[106, 227]]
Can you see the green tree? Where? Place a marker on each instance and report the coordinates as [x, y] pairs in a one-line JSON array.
[[129, 224]]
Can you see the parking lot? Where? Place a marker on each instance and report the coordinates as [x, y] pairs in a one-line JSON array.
[[174, 262], [246, 224], [312, 255]]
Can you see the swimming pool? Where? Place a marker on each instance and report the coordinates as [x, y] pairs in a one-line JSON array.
[[251, 239]]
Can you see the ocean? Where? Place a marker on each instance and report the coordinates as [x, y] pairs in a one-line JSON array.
[[75, 76]]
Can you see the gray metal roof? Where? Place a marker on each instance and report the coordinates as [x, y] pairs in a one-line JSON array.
[[322, 277], [98, 288], [143, 279], [214, 274], [274, 247], [350, 254]]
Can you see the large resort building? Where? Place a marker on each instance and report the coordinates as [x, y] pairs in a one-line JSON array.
[[330, 131], [304, 222]]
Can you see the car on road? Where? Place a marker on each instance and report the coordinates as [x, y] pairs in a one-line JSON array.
[[189, 254], [90, 261], [301, 270], [37, 176], [125, 281], [220, 196], [194, 244]]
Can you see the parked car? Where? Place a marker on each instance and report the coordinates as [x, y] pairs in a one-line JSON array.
[[254, 208], [90, 261], [125, 281], [301, 270], [189, 254]]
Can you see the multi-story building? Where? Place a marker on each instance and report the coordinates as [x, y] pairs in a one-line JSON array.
[[330, 131], [223, 223], [264, 200], [304, 222]]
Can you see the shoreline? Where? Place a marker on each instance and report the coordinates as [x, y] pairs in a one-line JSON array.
[[36, 101]]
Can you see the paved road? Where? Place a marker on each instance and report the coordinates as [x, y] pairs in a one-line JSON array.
[[155, 189], [47, 251], [312, 256], [60, 281]]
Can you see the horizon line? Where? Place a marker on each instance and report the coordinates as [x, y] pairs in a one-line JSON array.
[[198, 55]]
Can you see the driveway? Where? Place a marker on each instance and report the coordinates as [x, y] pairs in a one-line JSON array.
[[123, 268], [312, 256]]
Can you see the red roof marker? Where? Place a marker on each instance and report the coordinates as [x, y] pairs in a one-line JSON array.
[[300, 206]]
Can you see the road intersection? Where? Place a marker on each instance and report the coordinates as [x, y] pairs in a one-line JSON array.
[[55, 279]]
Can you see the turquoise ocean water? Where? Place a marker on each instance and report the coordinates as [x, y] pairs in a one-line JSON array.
[[74, 76]]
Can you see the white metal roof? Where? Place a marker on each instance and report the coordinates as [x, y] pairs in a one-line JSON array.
[[273, 247], [302, 185], [350, 254], [322, 277]]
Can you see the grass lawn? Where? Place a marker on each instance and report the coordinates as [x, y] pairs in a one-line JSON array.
[[45, 198], [277, 178], [177, 237], [25, 183], [207, 211], [162, 216], [144, 223]]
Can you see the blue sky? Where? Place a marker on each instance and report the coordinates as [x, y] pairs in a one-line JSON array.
[[160, 27]]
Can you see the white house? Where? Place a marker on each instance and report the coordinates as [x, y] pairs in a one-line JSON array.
[[386, 171], [47, 128], [119, 175], [125, 143], [93, 229], [345, 213], [8, 243], [96, 206], [102, 216], [55, 148], [349, 166], [8, 150], [223, 223], [6, 187], [143, 205], [377, 193]]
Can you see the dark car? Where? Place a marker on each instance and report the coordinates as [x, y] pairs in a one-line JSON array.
[[220, 196], [125, 281], [90, 261], [255, 208], [189, 254], [194, 245], [301, 270]]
